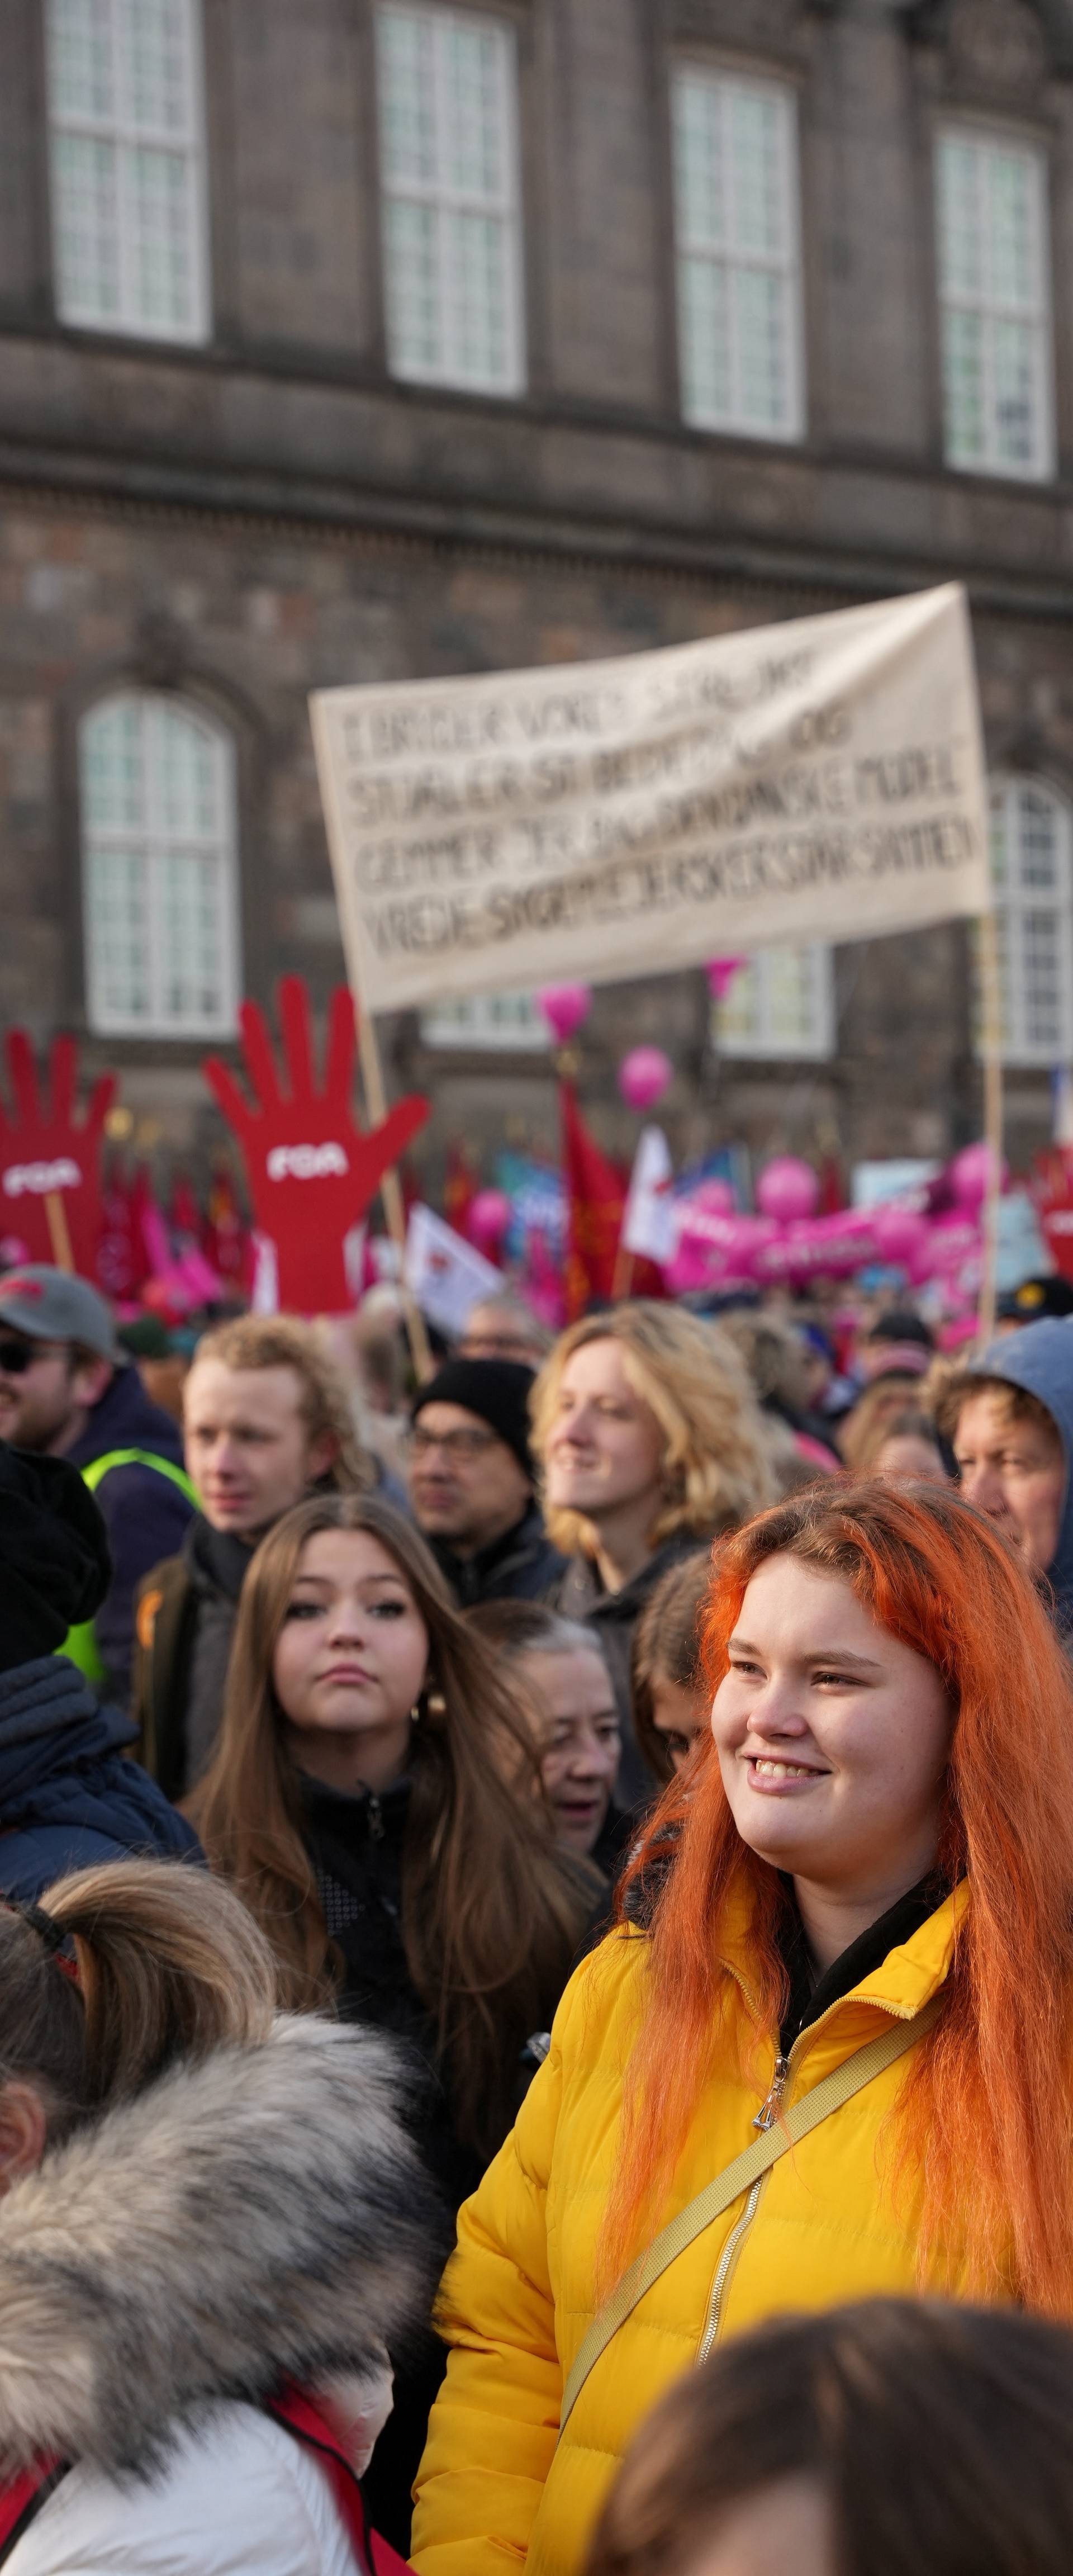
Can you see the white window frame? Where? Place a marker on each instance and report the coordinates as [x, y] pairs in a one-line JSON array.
[[445, 200], [1013, 907], [127, 136], [993, 310], [478, 1021], [153, 841], [764, 1041], [736, 420]]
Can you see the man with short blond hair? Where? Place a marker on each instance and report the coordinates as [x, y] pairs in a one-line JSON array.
[[266, 1421]]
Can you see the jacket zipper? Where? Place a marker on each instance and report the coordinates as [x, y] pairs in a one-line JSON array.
[[765, 2119], [376, 1818]]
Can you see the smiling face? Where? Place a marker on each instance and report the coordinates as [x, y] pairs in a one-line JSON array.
[[350, 1660], [605, 1446], [832, 1737]]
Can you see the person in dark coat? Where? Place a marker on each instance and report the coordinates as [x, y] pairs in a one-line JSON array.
[[472, 1483], [375, 1794], [651, 1439], [68, 1390], [68, 1795]]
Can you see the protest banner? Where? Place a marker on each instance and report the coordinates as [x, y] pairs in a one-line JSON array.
[[821, 779], [818, 779]]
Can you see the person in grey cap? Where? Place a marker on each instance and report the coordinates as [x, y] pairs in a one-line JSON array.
[[67, 1391]]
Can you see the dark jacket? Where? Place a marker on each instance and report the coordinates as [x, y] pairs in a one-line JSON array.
[[68, 1795], [356, 1847], [1040, 1359], [521, 1566], [614, 1616], [185, 1621], [145, 1514]]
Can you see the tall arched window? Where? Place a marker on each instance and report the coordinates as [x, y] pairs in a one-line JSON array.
[[159, 868], [1032, 867]]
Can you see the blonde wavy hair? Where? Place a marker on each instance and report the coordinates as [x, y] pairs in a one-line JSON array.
[[717, 1469]]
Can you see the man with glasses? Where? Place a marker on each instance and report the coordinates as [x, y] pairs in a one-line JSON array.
[[472, 1483], [67, 1391]]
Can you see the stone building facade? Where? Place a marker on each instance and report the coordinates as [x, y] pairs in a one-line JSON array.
[[231, 471]]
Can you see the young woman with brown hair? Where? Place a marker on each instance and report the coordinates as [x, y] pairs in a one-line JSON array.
[[847, 1930], [376, 1799], [204, 2208]]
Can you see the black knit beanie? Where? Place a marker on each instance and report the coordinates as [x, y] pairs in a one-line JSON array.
[[497, 1390], [54, 1563]]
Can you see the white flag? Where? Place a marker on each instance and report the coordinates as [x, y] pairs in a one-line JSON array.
[[444, 1272], [650, 1225]]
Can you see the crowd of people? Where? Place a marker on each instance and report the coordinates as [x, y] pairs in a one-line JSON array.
[[536, 1958]]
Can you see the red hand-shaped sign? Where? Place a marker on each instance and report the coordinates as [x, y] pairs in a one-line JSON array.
[[44, 1155], [312, 1174]]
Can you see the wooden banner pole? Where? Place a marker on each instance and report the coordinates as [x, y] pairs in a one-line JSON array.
[[59, 1231], [991, 1038], [372, 1075]]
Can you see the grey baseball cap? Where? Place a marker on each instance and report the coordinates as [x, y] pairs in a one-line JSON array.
[[51, 1306]]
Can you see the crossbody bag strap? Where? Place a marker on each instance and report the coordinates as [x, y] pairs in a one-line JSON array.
[[739, 2177]]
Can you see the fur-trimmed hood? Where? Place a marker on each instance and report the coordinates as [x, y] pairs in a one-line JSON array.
[[259, 2215]]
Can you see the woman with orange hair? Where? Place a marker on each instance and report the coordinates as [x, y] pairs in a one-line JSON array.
[[827, 2052]]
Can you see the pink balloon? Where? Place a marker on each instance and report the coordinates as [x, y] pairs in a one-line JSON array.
[[787, 1188], [899, 1233], [970, 1175], [564, 1006], [716, 1197], [720, 972], [488, 1219], [644, 1075]]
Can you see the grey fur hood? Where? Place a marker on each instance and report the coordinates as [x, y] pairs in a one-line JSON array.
[[259, 2215]]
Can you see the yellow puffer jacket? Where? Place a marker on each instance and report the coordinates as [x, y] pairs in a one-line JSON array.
[[494, 2492]]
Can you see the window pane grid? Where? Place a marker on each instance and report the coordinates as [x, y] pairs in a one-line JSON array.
[[127, 166], [995, 305], [736, 204], [1032, 868], [159, 863], [780, 1004], [486, 1020], [448, 135]]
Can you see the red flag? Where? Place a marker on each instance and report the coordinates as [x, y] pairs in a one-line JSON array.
[[1052, 1190], [184, 1214], [123, 1262], [595, 1204], [225, 1239], [832, 1198], [459, 1188]]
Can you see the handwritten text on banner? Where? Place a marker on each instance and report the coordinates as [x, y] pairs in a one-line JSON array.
[[819, 779]]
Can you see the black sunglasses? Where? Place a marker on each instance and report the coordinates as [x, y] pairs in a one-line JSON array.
[[17, 1357]]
